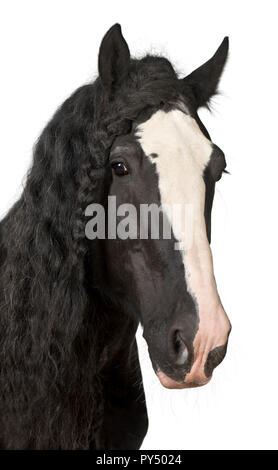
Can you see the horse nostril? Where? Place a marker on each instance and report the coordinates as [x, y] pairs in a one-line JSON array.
[[179, 348], [214, 358]]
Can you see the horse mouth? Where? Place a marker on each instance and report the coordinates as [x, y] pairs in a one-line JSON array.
[[169, 383]]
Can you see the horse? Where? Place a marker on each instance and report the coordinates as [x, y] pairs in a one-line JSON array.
[[70, 304]]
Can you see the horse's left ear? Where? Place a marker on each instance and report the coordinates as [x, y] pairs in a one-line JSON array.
[[113, 59], [204, 80]]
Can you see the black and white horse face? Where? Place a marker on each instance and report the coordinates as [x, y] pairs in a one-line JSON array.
[[168, 161]]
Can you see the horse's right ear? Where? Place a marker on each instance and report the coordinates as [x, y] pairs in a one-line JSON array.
[[204, 80], [113, 59]]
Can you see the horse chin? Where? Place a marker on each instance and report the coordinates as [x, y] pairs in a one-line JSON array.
[[167, 382]]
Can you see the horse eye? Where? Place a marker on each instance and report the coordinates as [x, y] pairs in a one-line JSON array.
[[119, 169]]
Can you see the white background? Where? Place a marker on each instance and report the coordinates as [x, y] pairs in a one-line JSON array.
[[49, 48]]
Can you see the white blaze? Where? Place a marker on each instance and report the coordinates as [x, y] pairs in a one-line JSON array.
[[183, 153]]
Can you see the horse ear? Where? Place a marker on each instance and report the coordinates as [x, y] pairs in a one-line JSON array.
[[113, 59], [204, 80]]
